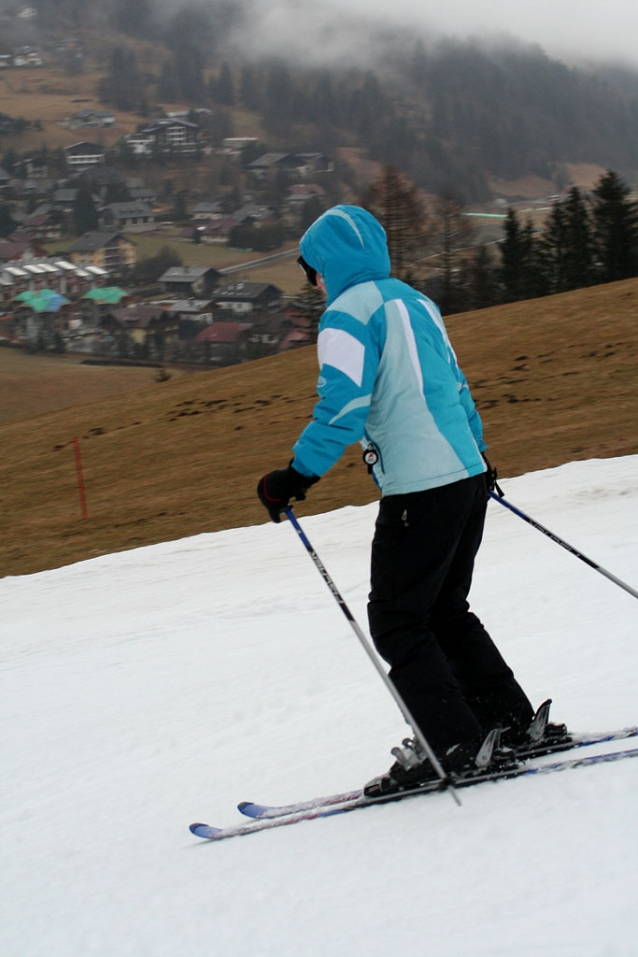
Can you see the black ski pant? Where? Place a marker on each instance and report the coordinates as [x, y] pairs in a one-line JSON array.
[[442, 661]]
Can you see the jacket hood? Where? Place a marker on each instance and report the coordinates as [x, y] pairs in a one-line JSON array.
[[346, 246]]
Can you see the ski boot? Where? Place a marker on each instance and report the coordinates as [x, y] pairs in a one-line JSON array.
[[541, 737], [413, 770]]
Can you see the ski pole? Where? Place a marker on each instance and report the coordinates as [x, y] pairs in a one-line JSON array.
[[564, 544], [323, 571]]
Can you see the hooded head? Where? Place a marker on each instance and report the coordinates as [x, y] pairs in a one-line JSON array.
[[346, 246]]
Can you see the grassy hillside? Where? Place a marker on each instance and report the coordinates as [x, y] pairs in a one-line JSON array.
[[555, 380]]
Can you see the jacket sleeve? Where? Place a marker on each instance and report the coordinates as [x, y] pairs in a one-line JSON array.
[[473, 417], [348, 352]]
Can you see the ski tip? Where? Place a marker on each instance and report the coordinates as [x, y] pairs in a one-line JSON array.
[[203, 830], [250, 809]]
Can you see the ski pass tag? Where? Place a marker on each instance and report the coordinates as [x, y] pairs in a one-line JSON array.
[[370, 457]]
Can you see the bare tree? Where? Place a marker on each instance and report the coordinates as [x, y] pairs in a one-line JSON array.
[[397, 203]]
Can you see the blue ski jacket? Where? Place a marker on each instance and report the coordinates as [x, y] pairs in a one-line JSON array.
[[388, 374]]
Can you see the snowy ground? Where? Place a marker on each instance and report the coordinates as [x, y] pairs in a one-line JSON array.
[[145, 690]]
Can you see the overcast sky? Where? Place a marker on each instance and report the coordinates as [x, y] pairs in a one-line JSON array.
[[588, 29], [593, 28]]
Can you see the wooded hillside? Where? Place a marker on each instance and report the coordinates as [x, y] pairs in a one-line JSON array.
[[454, 113]]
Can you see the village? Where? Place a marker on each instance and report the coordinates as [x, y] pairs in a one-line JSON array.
[[64, 291]]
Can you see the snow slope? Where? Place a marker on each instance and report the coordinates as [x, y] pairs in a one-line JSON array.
[[144, 690]]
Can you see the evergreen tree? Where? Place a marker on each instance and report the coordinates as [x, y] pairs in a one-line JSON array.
[[135, 18], [117, 192], [311, 210], [189, 76], [7, 222], [84, 215], [579, 257], [513, 259], [249, 92], [615, 220], [167, 87], [553, 250], [123, 84], [180, 206], [311, 304], [454, 235], [278, 99], [533, 278], [481, 285], [224, 87]]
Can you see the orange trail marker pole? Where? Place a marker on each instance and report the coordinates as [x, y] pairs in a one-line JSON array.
[[78, 468]]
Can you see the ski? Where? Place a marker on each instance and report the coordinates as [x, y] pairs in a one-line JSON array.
[[250, 809], [209, 833]]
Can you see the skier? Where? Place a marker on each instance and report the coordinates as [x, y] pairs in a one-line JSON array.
[[389, 378]]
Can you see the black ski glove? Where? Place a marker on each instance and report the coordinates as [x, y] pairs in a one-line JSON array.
[[491, 477], [276, 489]]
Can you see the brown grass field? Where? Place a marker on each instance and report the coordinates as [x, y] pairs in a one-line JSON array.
[[555, 380], [50, 95]]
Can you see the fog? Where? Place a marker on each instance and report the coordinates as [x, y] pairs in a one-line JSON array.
[[348, 29]]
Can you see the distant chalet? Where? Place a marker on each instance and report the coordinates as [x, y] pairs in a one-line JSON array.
[[302, 164], [84, 155], [248, 297], [166, 136], [108, 249], [190, 281]]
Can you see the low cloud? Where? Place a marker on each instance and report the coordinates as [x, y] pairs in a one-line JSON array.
[[349, 31]]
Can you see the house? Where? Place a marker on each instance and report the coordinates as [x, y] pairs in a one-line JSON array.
[[143, 330], [190, 281], [90, 117], [28, 56], [233, 145], [44, 225], [135, 217], [34, 274], [15, 248], [64, 199], [97, 303], [204, 212], [296, 198], [77, 278], [138, 190], [268, 163], [300, 164], [40, 317], [191, 314], [244, 298], [105, 248], [5, 179], [308, 163], [166, 136], [9, 124], [217, 230], [31, 168], [84, 155], [251, 213], [223, 343], [267, 333]]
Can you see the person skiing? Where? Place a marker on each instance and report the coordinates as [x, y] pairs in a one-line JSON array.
[[389, 378]]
